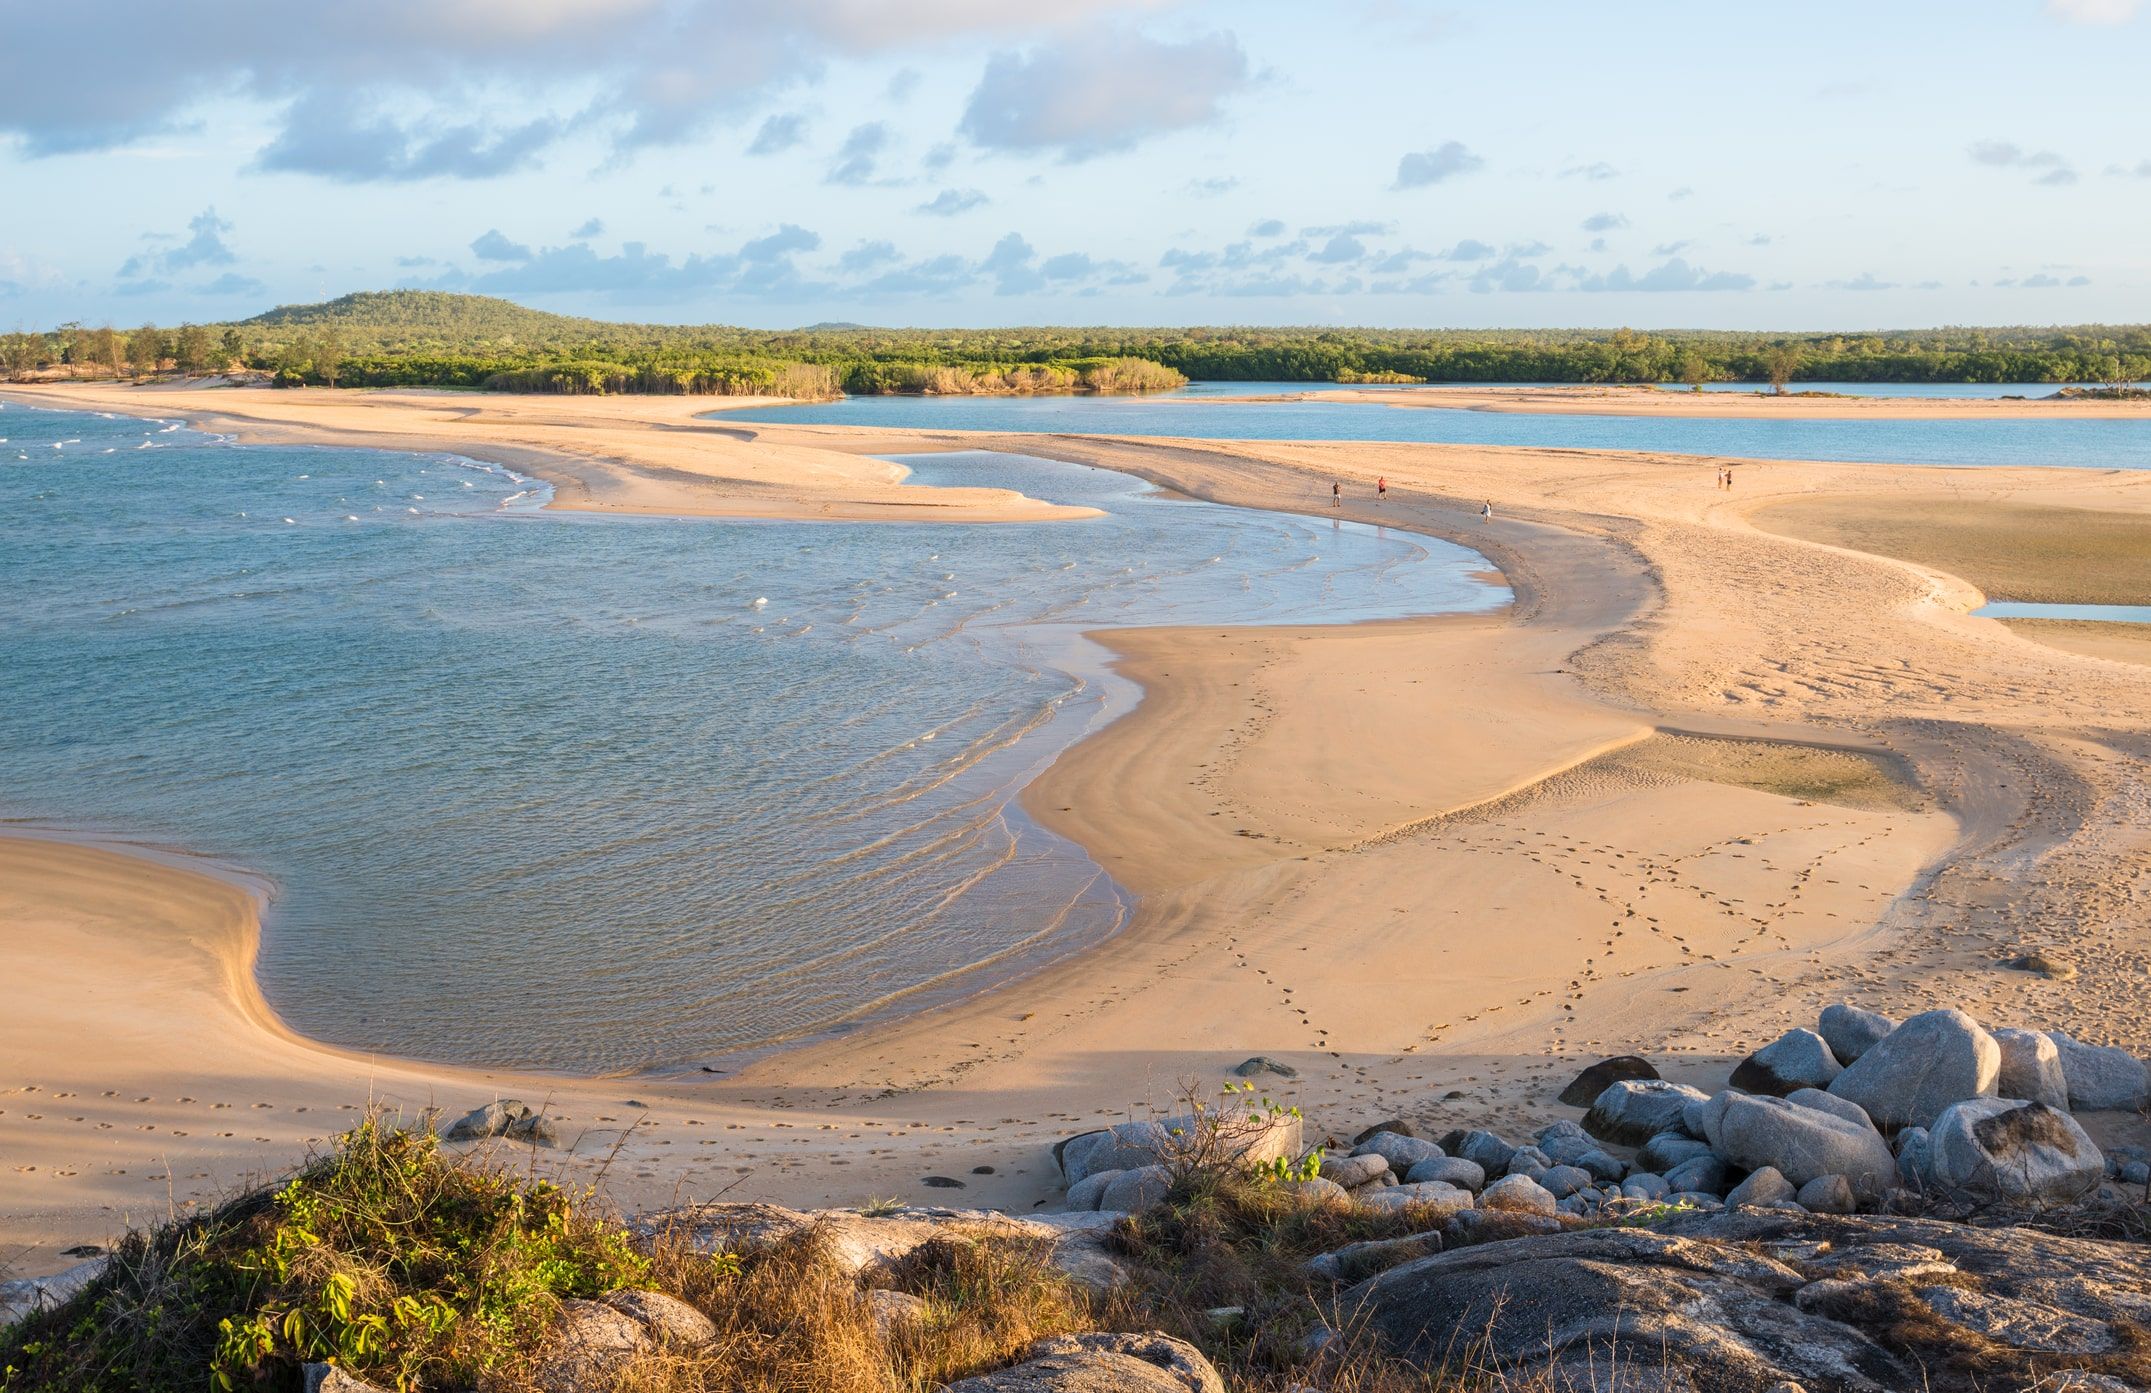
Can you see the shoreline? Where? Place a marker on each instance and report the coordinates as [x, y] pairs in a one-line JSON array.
[[1488, 848], [652, 456]]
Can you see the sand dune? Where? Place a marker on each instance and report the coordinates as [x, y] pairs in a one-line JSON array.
[[1700, 779]]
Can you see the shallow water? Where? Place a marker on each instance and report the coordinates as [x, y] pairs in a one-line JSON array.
[[594, 794], [2020, 609], [1199, 412]]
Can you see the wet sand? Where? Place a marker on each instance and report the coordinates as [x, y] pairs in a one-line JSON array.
[[1699, 780]]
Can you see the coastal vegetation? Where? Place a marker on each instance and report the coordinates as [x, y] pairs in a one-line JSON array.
[[414, 1269], [409, 338]]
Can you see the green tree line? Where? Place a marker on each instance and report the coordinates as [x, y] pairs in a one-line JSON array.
[[427, 338]]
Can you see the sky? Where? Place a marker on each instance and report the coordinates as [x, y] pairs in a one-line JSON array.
[[774, 163]]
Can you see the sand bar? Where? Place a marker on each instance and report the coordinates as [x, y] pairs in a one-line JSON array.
[[1758, 405], [1701, 778], [650, 455]]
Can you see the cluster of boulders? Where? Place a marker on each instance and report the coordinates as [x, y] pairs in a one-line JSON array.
[[1837, 1120]]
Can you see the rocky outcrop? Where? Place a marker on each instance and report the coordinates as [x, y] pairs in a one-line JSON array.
[[869, 1245], [1992, 1149], [1795, 1060], [1633, 1111], [503, 1117], [1851, 1032], [1355, 1262], [1801, 1143], [1764, 1299], [595, 1340], [2099, 1077], [1401, 1152], [2031, 1069], [1931, 1061], [327, 1378], [26, 1296], [1584, 1089], [1102, 1363]]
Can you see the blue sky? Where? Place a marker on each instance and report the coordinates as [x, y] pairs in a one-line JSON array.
[[969, 162]]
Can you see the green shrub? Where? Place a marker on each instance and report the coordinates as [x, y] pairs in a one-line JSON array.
[[409, 1268]]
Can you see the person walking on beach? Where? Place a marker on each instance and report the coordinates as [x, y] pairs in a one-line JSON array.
[[1381, 489], [1486, 514], [1336, 495]]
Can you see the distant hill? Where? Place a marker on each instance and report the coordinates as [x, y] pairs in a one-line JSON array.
[[431, 316]]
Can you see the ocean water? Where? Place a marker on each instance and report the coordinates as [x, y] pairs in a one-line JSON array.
[[1201, 411], [602, 794]]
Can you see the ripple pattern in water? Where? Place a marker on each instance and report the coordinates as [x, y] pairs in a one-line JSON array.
[[596, 794]]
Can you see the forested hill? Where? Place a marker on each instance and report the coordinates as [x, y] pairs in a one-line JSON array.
[[379, 317], [431, 338]]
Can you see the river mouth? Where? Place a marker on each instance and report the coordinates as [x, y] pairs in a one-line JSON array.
[[604, 795]]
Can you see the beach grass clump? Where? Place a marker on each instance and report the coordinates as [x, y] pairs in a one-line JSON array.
[[401, 1264]]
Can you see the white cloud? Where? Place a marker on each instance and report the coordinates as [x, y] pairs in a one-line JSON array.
[[2093, 11], [1444, 161], [1094, 93], [2050, 167], [204, 246], [640, 72], [861, 151], [493, 245], [778, 133], [949, 202], [1672, 275]]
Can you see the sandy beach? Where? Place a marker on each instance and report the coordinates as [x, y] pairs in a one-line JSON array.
[[1714, 768], [1758, 405]]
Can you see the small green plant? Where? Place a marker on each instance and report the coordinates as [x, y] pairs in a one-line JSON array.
[[1281, 1169], [1221, 1134]]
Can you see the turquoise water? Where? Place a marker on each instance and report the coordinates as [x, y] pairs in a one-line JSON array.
[[1199, 412], [589, 793], [2019, 609]]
